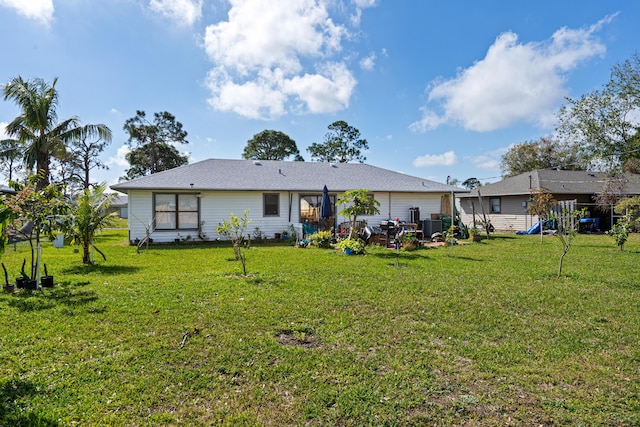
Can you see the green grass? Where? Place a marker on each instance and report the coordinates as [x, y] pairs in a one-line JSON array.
[[481, 334]]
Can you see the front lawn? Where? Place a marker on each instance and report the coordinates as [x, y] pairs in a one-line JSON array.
[[481, 334]]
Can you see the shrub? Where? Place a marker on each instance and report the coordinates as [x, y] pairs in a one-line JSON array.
[[356, 246], [322, 239], [409, 242]]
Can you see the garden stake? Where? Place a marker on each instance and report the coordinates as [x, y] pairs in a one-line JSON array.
[[6, 275]]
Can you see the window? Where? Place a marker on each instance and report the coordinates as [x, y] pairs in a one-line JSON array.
[[495, 205], [271, 204], [310, 207], [176, 211]]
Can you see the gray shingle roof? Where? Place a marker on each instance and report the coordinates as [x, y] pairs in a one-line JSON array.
[[271, 175], [556, 182]]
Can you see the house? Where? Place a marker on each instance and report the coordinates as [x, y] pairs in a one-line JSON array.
[[120, 205], [191, 200], [505, 202], [5, 189]]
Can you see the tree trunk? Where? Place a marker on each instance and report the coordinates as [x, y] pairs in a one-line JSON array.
[[86, 254], [566, 249], [42, 166]]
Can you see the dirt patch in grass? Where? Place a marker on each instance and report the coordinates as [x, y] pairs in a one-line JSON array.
[[299, 338]]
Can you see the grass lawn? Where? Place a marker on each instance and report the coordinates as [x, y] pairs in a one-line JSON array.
[[483, 334]]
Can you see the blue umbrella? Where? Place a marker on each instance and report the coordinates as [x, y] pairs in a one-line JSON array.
[[325, 206]]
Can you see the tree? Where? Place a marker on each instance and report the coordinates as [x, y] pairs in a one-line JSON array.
[[40, 210], [90, 215], [37, 128], [546, 153], [167, 157], [613, 188], [630, 209], [567, 230], [6, 215], [357, 203], [235, 229], [271, 145], [602, 123], [541, 204], [154, 143], [10, 157], [471, 183], [452, 181], [82, 156], [342, 144]]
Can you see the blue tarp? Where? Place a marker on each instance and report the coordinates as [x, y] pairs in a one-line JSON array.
[[535, 228]]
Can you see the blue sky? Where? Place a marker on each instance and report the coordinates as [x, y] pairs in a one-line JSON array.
[[437, 88]]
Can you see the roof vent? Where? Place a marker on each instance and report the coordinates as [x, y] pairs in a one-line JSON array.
[[257, 163]]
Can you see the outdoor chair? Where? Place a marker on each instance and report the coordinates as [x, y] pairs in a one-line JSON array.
[[308, 229]]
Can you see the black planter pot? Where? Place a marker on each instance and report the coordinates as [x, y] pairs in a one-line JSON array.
[[9, 287], [20, 282], [46, 281], [30, 285]]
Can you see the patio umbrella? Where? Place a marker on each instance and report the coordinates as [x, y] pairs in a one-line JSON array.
[[325, 206]]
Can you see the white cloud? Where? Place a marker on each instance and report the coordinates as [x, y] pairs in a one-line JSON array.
[[369, 62], [39, 10], [271, 57], [514, 82], [489, 160], [326, 92], [363, 4], [185, 12], [119, 159], [445, 159], [486, 162], [360, 5], [3, 131]]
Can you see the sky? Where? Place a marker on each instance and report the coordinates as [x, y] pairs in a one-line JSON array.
[[438, 89]]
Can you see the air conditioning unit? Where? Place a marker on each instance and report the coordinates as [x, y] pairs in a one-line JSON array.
[[430, 226]]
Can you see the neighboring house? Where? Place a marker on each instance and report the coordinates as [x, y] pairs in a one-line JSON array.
[[190, 201], [505, 202], [5, 189], [120, 205]]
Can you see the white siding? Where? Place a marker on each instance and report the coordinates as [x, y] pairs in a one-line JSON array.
[[215, 206], [402, 202], [140, 214], [218, 206]]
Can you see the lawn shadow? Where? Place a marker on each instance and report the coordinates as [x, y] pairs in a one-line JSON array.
[[464, 258], [171, 246], [63, 293], [12, 414], [402, 255], [504, 236], [110, 270]]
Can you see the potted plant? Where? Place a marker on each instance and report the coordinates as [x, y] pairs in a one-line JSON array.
[[46, 281], [474, 234], [7, 287], [409, 242], [351, 246]]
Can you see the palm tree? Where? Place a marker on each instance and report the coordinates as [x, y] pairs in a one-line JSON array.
[[38, 129], [90, 215]]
